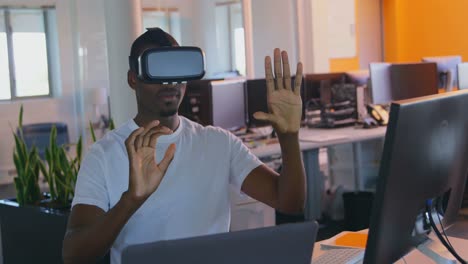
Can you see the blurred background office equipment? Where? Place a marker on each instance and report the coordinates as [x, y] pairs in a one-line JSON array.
[[39, 135], [380, 88], [358, 77], [413, 80], [462, 75], [313, 82], [390, 82], [228, 104], [214, 102], [256, 100], [196, 104], [446, 70], [424, 159]]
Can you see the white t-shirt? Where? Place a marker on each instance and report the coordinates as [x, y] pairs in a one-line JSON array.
[[193, 197]]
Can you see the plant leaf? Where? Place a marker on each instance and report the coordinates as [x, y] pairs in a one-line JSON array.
[[91, 129], [111, 124]]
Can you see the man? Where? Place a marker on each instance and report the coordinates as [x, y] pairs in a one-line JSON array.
[[160, 176]]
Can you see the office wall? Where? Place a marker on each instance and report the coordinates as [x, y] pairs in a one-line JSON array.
[[418, 28]]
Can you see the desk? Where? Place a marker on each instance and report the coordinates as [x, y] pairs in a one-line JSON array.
[[310, 151], [415, 256]]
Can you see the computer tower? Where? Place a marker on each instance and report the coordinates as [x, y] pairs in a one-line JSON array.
[[214, 102]]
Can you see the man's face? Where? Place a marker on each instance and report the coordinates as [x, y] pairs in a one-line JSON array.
[[160, 99]]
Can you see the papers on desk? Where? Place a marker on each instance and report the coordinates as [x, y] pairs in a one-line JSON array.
[[321, 137], [346, 239]]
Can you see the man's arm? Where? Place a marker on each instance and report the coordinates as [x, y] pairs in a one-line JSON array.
[[91, 231], [287, 192]]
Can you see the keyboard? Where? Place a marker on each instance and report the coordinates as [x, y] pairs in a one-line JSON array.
[[340, 256]]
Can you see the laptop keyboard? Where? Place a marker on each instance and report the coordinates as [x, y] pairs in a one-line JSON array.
[[340, 256]]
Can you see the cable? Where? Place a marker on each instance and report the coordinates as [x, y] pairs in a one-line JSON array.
[[439, 235], [441, 225], [404, 260]]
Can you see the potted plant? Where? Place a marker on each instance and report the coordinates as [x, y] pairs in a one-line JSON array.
[[60, 172], [33, 224]]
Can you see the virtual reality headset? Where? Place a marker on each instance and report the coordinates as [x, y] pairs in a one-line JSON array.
[[166, 65]]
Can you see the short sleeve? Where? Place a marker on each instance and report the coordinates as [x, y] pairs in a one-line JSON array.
[[242, 162], [91, 188]]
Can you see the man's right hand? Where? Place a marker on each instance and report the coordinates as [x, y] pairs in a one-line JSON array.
[[82, 244], [145, 173]]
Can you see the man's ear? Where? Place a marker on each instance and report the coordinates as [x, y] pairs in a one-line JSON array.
[[131, 79]]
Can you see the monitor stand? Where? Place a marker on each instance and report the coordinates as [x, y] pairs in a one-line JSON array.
[[435, 250]]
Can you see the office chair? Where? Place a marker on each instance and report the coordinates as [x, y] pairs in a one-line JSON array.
[[39, 135]]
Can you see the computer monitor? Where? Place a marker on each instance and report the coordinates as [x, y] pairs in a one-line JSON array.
[[196, 104], [380, 88], [413, 80], [228, 104], [256, 100], [462, 75], [391, 82], [424, 157], [446, 70], [288, 243]]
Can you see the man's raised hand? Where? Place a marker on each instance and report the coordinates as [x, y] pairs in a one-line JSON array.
[[145, 173], [284, 101]]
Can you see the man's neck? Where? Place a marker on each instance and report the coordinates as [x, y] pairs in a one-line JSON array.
[[172, 122]]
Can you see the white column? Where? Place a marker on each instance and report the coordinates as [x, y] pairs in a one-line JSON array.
[[319, 45], [369, 23], [123, 26], [249, 57], [304, 35]]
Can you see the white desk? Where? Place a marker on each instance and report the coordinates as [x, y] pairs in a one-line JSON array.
[[310, 151], [415, 256]]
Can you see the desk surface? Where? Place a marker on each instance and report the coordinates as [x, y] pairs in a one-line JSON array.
[[336, 136], [415, 256]]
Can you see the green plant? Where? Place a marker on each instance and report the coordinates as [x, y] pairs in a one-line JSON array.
[[93, 134], [60, 171], [27, 163], [91, 128], [111, 124]]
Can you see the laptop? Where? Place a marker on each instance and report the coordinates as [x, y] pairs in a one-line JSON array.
[[288, 243]]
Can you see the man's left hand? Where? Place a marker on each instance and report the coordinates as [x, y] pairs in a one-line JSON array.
[[284, 101]]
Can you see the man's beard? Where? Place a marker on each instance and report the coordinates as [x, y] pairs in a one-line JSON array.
[[168, 113]]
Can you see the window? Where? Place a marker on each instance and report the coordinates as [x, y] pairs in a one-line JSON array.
[[230, 37], [168, 19], [24, 42]]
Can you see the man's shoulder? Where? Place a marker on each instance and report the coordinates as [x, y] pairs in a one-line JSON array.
[[112, 140]]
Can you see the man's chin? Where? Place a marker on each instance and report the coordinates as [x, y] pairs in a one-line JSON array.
[[168, 113]]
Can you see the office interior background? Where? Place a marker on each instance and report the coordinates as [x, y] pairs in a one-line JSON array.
[[71, 56]]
